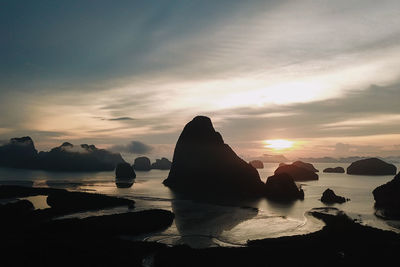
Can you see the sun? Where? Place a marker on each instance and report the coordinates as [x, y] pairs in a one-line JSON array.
[[279, 144]]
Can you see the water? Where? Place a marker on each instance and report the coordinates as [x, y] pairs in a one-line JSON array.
[[206, 224]]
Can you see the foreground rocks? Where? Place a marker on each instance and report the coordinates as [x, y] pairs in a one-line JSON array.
[[204, 164], [334, 170], [387, 199], [282, 187], [21, 153], [258, 164], [64, 202], [342, 242], [371, 166], [297, 173], [28, 239], [329, 197]]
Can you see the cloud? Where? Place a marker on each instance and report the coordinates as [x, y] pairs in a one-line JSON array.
[[341, 148], [122, 119], [134, 147]]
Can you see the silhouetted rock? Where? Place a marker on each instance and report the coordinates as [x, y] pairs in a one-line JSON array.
[[371, 166], [124, 175], [21, 153], [124, 171], [258, 164], [142, 164], [83, 158], [334, 170], [18, 153], [203, 164], [282, 187], [387, 198], [330, 197], [162, 164], [297, 173], [305, 165]]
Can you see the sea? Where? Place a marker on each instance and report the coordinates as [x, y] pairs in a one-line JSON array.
[[207, 224]]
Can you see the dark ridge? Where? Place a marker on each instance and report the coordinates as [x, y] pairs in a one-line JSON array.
[[334, 170], [371, 166]]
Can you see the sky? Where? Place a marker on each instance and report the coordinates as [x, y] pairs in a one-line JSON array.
[[129, 75]]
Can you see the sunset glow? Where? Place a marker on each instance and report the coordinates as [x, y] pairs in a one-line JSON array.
[[279, 144]]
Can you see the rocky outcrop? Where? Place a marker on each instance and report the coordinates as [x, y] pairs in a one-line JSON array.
[[21, 153], [371, 166], [204, 164], [124, 171], [258, 164], [387, 198], [85, 157], [162, 164], [334, 170], [330, 197], [142, 164], [282, 187], [18, 153], [305, 165], [297, 173]]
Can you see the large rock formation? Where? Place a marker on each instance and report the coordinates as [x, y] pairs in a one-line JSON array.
[[330, 197], [305, 165], [387, 198], [82, 158], [334, 170], [142, 164], [371, 166], [21, 153], [162, 164], [297, 173], [18, 153], [204, 164], [282, 187], [258, 164]]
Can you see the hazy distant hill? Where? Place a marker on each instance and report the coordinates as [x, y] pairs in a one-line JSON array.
[[268, 158]]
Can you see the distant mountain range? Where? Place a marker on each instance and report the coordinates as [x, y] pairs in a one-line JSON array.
[[268, 158], [391, 159]]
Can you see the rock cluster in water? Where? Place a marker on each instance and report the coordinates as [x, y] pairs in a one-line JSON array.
[[21, 153], [371, 166], [142, 164], [162, 164], [330, 197], [334, 170]]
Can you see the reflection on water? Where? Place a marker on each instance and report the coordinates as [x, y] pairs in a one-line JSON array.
[[39, 202], [199, 223], [124, 183], [207, 224]]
